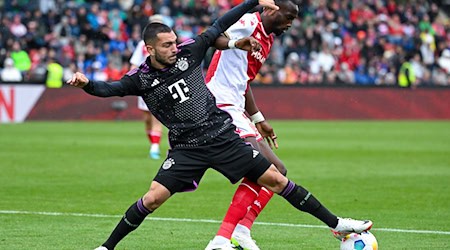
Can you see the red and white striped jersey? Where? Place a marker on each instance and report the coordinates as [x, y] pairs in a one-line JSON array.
[[232, 70]]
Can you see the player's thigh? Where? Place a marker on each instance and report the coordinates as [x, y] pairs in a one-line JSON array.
[[237, 159], [182, 170], [267, 152]]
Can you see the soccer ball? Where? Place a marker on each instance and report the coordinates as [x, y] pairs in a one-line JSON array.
[[362, 241]]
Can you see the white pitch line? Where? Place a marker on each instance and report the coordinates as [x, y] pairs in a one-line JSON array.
[[215, 221]]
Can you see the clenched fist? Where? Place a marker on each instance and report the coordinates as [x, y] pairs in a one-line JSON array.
[[78, 80]]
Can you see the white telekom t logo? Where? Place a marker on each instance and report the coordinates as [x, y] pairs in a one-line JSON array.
[[179, 90]]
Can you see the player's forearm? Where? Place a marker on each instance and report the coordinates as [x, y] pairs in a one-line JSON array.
[[250, 103], [221, 43], [233, 15], [105, 89]]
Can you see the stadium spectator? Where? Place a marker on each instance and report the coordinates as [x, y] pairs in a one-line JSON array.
[[444, 61], [20, 57], [98, 74], [17, 28], [10, 73], [55, 73], [406, 76]]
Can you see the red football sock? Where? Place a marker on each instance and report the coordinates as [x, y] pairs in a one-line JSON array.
[[261, 201], [242, 200], [154, 136]]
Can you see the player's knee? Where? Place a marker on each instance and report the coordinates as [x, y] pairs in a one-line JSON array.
[[273, 180], [152, 202], [280, 183]]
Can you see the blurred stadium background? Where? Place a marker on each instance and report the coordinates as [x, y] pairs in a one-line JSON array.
[[349, 42], [64, 184]]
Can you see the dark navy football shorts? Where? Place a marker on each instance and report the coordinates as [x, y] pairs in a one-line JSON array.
[[228, 154]]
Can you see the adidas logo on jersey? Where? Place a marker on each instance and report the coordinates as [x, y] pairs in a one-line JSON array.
[[255, 153], [155, 82]]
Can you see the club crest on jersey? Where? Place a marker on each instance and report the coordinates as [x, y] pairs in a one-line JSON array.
[[182, 64], [168, 163]]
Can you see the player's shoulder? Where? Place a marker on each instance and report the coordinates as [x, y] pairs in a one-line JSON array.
[[244, 27], [250, 19]]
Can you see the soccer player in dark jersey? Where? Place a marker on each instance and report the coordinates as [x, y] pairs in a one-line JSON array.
[[201, 135]]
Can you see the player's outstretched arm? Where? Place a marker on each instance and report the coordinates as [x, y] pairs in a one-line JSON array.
[[233, 15], [224, 22], [103, 89]]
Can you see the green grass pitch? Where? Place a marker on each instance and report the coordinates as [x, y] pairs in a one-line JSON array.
[[64, 185]]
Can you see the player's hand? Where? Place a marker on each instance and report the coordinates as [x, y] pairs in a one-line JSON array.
[[268, 4], [267, 133], [78, 80], [248, 44]]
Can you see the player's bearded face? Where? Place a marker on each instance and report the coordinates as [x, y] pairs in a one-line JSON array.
[[164, 60], [166, 49]]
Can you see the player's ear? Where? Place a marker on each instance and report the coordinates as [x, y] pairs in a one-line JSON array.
[[150, 49]]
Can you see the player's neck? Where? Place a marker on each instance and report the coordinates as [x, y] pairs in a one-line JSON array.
[[266, 25], [156, 65]]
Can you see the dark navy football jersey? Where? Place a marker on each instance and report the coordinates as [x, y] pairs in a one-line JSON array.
[[178, 96]]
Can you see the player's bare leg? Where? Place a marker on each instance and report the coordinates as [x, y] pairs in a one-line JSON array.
[[153, 129]]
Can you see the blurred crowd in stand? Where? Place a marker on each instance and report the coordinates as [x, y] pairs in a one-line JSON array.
[[346, 42]]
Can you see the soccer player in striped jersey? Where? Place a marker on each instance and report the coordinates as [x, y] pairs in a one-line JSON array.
[[228, 78]]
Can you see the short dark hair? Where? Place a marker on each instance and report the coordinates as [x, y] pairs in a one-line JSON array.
[[151, 30]]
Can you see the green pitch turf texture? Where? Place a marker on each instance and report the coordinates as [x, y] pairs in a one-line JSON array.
[[64, 185]]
